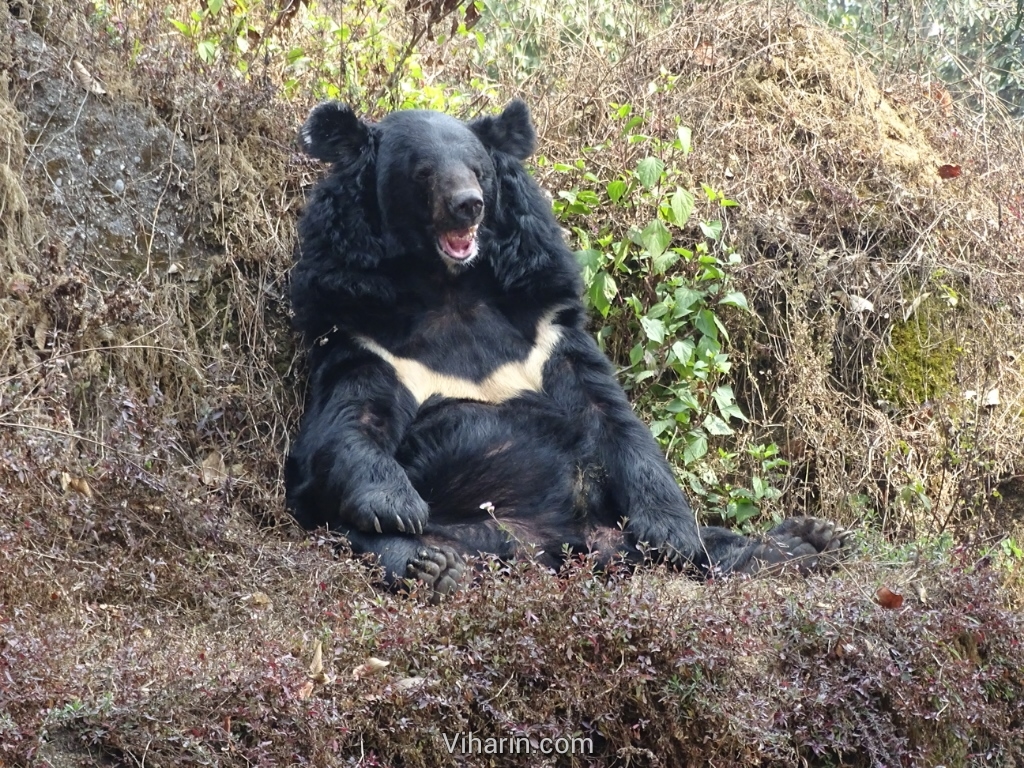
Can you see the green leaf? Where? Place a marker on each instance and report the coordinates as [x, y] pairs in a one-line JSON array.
[[664, 262], [207, 50], [685, 136], [687, 300], [740, 510], [680, 207], [649, 171], [182, 27], [724, 396], [590, 261], [705, 323], [214, 6], [602, 291], [636, 354], [721, 327], [658, 310], [711, 229], [732, 411], [735, 299], [656, 238], [696, 447], [759, 485], [655, 329], [616, 189], [685, 402], [659, 426], [683, 351], [715, 426]]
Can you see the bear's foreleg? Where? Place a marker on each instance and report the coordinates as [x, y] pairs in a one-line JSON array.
[[342, 471]]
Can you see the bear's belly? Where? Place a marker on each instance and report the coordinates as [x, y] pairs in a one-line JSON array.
[[525, 459]]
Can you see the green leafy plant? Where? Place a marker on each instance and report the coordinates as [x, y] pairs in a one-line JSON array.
[[667, 284], [215, 26]]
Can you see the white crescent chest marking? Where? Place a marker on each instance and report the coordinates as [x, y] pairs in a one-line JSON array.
[[506, 382]]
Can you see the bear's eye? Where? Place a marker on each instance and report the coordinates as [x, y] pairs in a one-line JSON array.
[[422, 174]]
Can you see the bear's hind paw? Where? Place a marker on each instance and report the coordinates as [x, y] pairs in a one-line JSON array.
[[810, 543], [440, 568]]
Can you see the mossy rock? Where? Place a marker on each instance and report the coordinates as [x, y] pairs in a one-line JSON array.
[[920, 362]]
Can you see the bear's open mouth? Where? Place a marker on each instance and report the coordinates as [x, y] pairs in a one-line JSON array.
[[458, 244]]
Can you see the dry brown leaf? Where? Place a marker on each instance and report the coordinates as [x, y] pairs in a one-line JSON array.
[[408, 683], [371, 666], [944, 99], [261, 600], [79, 485], [40, 336], [888, 599], [213, 471], [316, 666], [306, 690], [69, 482], [86, 80], [704, 55], [949, 171]]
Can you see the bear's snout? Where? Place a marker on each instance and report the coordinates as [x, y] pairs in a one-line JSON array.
[[466, 206]]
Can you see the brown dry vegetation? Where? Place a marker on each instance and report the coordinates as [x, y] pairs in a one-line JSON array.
[[157, 606]]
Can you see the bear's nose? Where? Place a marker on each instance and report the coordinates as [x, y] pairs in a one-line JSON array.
[[467, 205]]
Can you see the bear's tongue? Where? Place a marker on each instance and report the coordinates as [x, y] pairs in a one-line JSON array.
[[459, 244]]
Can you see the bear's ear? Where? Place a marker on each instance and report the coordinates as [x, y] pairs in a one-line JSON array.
[[332, 132], [511, 131]]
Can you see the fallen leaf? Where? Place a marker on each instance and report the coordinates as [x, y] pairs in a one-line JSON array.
[[371, 666], [949, 171], [888, 599], [86, 80], [704, 55], [316, 666], [40, 336], [213, 471], [860, 304], [922, 593], [77, 484], [991, 398], [260, 600], [408, 683], [306, 690], [943, 98]]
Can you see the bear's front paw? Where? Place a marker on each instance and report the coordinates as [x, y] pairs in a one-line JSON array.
[[440, 568], [387, 510], [810, 543]]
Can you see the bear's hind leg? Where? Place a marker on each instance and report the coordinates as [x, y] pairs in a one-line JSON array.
[[808, 543]]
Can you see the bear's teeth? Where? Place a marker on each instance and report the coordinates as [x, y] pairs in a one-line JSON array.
[[459, 244]]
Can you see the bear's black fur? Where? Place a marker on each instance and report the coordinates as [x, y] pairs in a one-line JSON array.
[[457, 404]]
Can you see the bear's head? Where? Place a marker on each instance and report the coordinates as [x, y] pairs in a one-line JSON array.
[[434, 175]]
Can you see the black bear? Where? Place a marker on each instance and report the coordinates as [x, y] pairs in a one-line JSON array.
[[457, 404]]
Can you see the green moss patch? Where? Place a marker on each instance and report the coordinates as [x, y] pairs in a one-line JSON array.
[[920, 362]]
